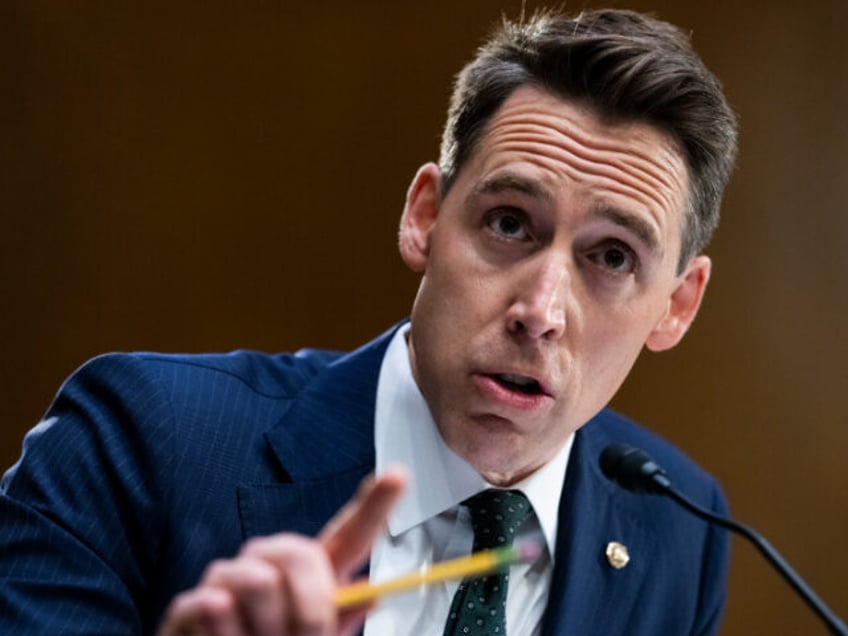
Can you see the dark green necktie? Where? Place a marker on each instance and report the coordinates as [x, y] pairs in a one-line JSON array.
[[479, 605]]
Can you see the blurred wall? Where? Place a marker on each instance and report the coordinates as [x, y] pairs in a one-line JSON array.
[[192, 179]]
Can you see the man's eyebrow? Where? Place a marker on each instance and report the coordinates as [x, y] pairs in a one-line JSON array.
[[510, 181], [636, 224]]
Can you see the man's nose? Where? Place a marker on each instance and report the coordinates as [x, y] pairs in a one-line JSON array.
[[538, 308]]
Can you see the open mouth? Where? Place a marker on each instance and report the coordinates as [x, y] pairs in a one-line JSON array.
[[519, 383]]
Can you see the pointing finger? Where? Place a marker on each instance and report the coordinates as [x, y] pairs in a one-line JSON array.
[[349, 535]]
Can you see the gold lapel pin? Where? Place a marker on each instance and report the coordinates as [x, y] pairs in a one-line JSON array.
[[617, 554]]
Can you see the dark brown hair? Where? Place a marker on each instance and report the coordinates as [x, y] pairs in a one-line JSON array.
[[627, 67]]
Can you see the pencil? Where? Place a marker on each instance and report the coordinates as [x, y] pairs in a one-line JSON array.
[[477, 564]]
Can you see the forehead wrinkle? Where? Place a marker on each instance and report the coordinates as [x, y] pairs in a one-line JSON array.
[[638, 169], [609, 138]]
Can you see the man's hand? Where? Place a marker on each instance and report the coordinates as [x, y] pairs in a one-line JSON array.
[[285, 584]]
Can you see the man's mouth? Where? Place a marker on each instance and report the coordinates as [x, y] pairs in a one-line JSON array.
[[519, 383]]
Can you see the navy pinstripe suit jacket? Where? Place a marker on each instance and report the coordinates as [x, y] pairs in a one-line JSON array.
[[146, 467]]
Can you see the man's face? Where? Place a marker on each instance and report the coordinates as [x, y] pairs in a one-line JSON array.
[[546, 268]]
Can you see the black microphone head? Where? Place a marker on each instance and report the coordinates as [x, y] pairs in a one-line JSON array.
[[633, 469]]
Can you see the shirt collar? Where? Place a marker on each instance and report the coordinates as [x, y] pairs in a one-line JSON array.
[[406, 434]]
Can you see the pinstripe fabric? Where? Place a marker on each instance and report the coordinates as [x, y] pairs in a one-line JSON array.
[[146, 467]]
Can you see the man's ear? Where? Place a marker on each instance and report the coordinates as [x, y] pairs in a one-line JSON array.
[[419, 215], [682, 305]]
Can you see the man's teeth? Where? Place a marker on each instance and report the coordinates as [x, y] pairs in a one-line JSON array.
[[521, 380], [520, 383]]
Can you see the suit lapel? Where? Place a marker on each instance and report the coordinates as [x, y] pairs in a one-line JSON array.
[[324, 443], [588, 595]]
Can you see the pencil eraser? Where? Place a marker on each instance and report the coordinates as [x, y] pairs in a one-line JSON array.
[[528, 551]]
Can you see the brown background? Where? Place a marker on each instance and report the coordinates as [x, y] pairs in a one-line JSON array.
[[188, 178]]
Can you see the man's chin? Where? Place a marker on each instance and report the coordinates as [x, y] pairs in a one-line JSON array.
[[504, 475], [499, 454]]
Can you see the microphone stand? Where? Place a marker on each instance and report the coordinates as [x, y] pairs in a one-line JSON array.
[[833, 622]]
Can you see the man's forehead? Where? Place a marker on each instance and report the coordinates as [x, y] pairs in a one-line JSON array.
[[582, 120], [569, 132], [570, 135]]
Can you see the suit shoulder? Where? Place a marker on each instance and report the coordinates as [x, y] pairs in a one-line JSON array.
[[279, 375]]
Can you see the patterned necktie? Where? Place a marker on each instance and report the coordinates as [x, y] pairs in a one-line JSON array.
[[479, 605]]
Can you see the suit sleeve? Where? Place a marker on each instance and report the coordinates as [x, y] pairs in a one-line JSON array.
[[80, 512]]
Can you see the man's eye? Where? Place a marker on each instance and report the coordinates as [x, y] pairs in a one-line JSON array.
[[615, 257], [508, 224]]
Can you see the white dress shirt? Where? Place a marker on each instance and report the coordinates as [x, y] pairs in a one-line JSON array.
[[428, 525]]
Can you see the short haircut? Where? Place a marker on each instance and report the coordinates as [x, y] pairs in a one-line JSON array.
[[626, 66]]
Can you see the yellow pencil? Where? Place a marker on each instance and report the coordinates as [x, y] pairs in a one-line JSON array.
[[478, 564]]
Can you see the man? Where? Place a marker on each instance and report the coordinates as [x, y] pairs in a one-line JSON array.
[[581, 173]]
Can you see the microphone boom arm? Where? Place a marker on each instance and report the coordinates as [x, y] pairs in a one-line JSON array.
[[771, 555], [634, 470]]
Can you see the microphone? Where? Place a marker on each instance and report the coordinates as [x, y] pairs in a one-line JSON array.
[[634, 470]]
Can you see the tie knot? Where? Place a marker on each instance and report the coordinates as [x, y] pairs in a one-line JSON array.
[[495, 516]]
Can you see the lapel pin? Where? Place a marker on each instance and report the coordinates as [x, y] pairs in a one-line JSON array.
[[617, 554]]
